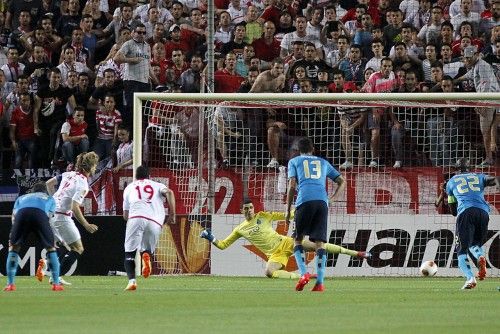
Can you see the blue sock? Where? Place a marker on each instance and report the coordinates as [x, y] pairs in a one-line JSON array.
[[298, 252], [476, 251], [463, 264], [11, 266], [320, 265], [54, 266]]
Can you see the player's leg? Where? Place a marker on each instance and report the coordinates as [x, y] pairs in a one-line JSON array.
[[150, 239], [318, 235], [335, 249], [300, 229], [19, 231], [464, 238], [46, 236], [279, 259], [479, 237], [133, 237]]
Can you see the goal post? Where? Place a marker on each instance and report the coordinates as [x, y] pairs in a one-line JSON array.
[[387, 208]]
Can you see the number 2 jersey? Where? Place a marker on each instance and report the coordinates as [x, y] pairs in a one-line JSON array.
[[468, 190], [143, 199], [73, 187], [311, 173]]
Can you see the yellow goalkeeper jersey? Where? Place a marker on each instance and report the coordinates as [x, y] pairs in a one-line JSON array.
[[259, 232]]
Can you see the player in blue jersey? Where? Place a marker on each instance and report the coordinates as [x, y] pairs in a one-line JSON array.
[[31, 214], [307, 176], [466, 201]]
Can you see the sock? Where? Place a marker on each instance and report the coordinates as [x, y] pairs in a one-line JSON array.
[[129, 265], [54, 266], [463, 264], [320, 265], [336, 249], [285, 274], [68, 260], [298, 252], [476, 251], [11, 266]]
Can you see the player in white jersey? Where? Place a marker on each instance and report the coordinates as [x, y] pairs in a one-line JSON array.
[[73, 187], [145, 213]]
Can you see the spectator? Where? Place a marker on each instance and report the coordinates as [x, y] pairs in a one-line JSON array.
[[70, 64], [109, 63], [484, 81], [83, 89], [377, 50], [420, 16], [253, 73], [191, 78], [176, 42], [82, 53], [74, 137], [334, 57], [237, 44], [383, 81], [23, 28], [430, 58], [176, 66], [299, 74], [299, 35], [22, 134], [450, 66], [136, 54], [270, 81], [465, 14], [354, 66], [107, 119], [430, 31], [158, 35], [310, 62], [392, 32], [352, 123], [445, 34], [50, 112], [34, 7], [227, 80], [254, 28], [13, 69], [123, 20], [236, 11], [243, 62], [38, 69], [70, 21], [224, 30], [363, 35], [355, 23], [267, 47], [124, 151]]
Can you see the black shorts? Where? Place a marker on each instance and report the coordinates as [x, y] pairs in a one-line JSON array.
[[472, 229], [29, 220], [311, 218]]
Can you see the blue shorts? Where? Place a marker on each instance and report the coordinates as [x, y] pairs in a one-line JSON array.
[[311, 218], [31, 220], [472, 229]]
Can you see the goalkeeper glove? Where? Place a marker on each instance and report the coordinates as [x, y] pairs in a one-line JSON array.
[[207, 234]]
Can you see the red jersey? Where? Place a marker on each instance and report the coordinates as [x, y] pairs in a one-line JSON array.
[[266, 52], [73, 129], [225, 82], [25, 128]]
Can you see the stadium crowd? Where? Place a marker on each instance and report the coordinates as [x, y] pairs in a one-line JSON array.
[[68, 69]]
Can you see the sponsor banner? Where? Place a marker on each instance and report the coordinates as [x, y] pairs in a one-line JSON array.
[[399, 244], [180, 249]]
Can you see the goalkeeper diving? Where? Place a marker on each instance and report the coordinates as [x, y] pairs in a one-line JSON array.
[[258, 230]]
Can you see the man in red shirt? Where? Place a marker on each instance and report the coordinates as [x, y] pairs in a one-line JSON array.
[[267, 47], [22, 131], [226, 80], [75, 141]]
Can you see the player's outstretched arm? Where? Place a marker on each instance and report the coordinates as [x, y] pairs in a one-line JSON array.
[[91, 228], [220, 244]]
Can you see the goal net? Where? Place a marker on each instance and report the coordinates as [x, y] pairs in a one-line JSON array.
[[395, 151]]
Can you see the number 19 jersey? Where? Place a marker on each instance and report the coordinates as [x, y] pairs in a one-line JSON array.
[[311, 173], [143, 199]]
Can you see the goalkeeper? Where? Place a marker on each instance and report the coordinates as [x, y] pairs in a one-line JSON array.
[[258, 230]]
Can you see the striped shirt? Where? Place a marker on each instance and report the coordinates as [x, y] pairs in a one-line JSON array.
[[136, 72], [124, 153], [106, 123], [378, 84]]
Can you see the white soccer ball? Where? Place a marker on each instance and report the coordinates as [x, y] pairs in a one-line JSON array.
[[428, 268]]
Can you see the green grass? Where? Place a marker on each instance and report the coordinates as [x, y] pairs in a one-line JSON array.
[[205, 304]]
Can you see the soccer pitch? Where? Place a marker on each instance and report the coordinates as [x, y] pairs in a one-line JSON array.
[[207, 304]]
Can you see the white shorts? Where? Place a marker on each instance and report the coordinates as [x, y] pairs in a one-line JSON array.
[[142, 234], [65, 231]]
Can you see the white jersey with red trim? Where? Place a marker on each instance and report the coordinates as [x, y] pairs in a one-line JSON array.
[[73, 187], [143, 199]]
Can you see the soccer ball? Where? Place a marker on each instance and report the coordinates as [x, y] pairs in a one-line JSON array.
[[428, 268]]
